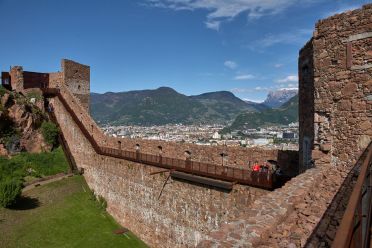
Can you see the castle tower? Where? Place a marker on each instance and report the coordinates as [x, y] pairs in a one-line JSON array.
[[335, 90], [77, 79]]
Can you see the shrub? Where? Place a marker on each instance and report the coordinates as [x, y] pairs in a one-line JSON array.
[[12, 143], [50, 132], [10, 169], [2, 90], [42, 164], [7, 127], [10, 190], [34, 94]]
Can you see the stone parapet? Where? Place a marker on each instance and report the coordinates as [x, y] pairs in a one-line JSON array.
[[285, 217]]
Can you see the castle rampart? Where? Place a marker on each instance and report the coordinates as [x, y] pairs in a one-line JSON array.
[[163, 213]]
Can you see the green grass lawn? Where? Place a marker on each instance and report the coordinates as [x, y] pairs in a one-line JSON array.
[[61, 214]]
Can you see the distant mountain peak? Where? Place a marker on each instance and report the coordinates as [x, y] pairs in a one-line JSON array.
[[217, 95], [166, 88], [277, 98]]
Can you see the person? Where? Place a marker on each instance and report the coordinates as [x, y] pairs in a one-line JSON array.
[[256, 166], [255, 173], [265, 168], [50, 108]]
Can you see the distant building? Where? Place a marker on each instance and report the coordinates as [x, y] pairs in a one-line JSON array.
[[227, 136], [293, 124], [289, 135], [216, 135], [279, 135], [261, 141]]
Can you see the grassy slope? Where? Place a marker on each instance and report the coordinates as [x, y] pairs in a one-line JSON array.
[[42, 164], [61, 214]]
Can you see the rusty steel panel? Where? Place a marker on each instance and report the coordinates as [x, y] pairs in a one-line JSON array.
[[5, 80], [202, 180], [35, 80]]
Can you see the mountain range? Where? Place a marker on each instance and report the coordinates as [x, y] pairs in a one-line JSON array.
[[285, 114], [166, 106], [277, 98]]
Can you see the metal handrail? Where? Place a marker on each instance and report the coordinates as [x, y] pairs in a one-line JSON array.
[[353, 231]]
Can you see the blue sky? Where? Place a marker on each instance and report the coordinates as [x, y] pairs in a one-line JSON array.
[[245, 46]]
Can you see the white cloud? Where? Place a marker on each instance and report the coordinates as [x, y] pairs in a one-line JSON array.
[[244, 77], [224, 10], [240, 90], [253, 100], [278, 65], [259, 88], [299, 36], [288, 79], [213, 25], [292, 86], [265, 88], [251, 90], [230, 64]]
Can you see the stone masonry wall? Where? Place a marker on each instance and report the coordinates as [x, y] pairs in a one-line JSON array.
[[77, 79], [16, 75], [286, 217], [342, 71], [180, 215], [306, 106], [55, 79]]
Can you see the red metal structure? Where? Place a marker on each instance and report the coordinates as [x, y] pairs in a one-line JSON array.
[[5, 80], [35, 80]]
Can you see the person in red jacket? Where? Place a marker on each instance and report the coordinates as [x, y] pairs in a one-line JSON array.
[[256, 167]]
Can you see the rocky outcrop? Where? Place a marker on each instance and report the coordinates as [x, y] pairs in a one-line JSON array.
[[21, 118], [3, 151], [277, 98]]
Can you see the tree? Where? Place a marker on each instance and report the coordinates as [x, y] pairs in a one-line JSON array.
[[50, 132], [10, 190]]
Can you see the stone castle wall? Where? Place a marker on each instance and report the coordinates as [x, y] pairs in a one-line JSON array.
[[76, 78], [341, 52], [16, 75], [180, 215], [306, 106]]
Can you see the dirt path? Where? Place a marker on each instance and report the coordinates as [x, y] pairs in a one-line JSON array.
[[52, 179]]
